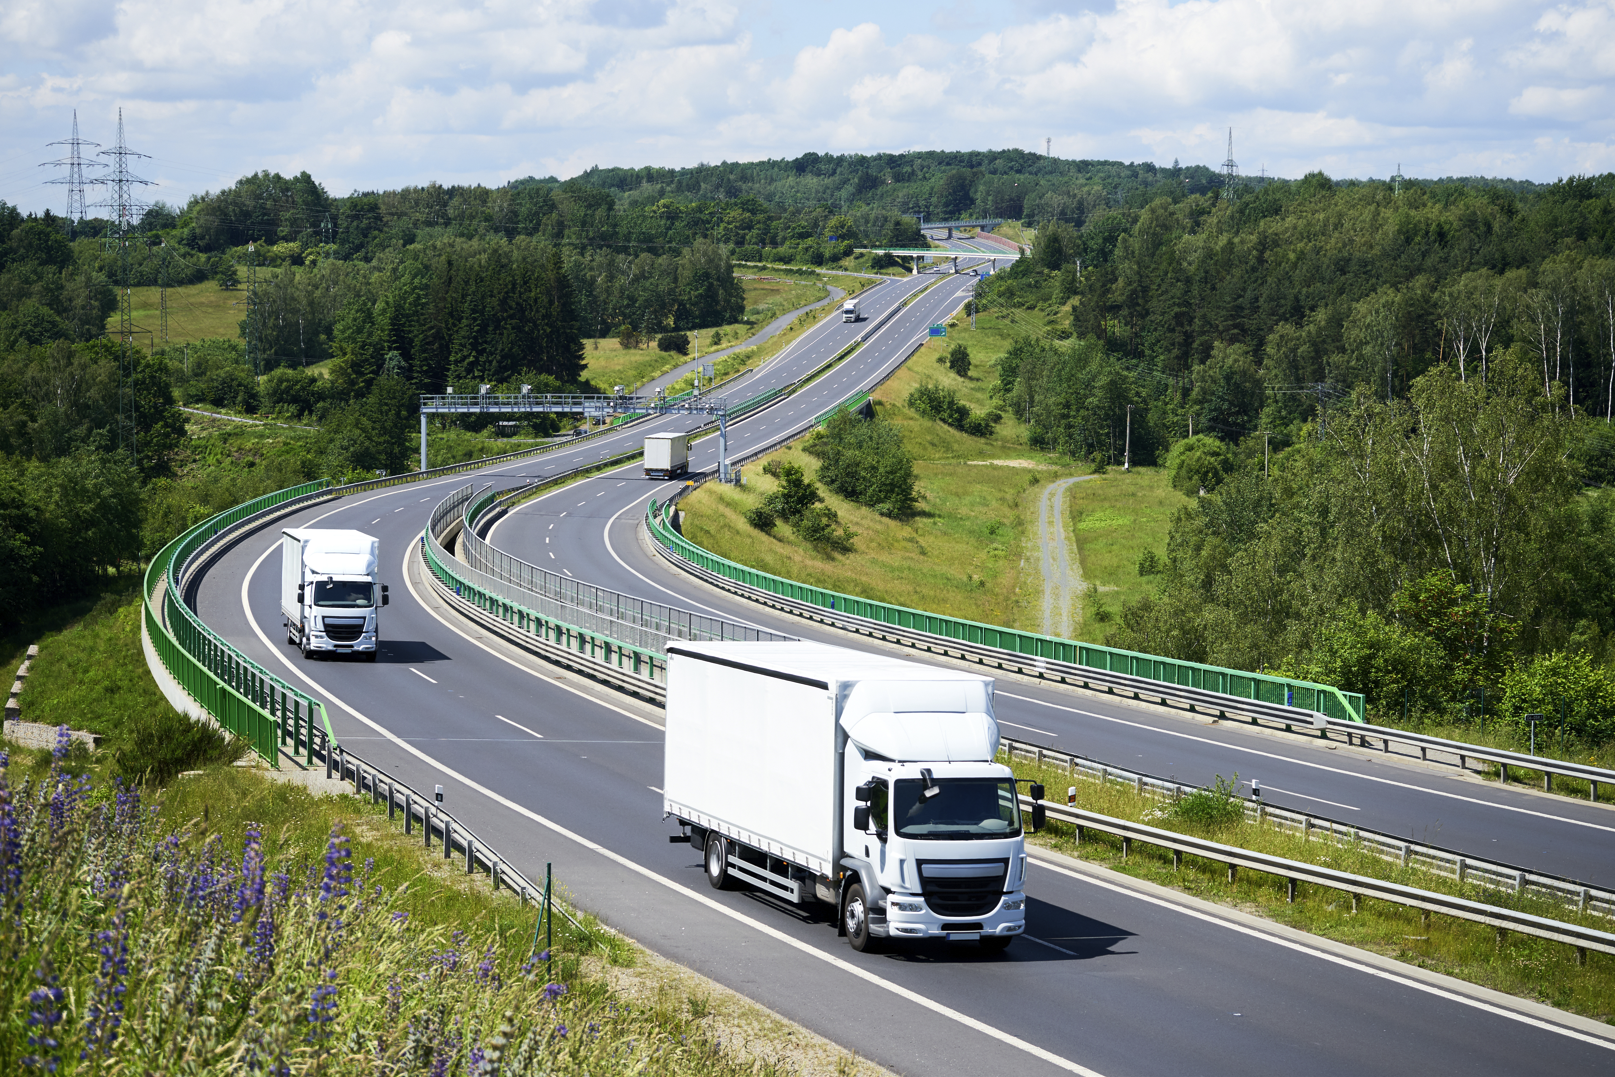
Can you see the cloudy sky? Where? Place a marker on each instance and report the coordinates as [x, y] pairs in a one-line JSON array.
[[368, 95]]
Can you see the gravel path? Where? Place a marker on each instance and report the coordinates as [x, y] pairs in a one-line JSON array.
[[1062, 572]]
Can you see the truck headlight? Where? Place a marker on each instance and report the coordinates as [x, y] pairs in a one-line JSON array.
[[1015, 904], [908, 906]]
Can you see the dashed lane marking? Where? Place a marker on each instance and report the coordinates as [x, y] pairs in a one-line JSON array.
[[421, 675]]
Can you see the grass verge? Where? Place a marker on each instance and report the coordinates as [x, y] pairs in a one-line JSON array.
[[1518, 964], [241, 924], [1114, 517]]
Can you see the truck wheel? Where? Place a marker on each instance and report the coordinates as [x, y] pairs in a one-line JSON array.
[[996, 944], [718, 863], [855, 918]]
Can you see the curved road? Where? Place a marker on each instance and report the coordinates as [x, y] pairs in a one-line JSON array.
[[1116, 980]]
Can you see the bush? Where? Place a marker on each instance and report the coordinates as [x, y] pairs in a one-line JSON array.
[[1214, 808], [932, 401], [1150, 563], [761, 517], [956, 359], [1584, 689], [1199, 464], [864, 460], [290, 391], [673, 342], [821, 526]]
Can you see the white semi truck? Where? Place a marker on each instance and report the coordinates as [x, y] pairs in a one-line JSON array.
[[817, 773], [849, 310], [329, 595], [667, 456]]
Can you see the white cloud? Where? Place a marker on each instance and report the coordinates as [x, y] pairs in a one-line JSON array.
[[369, 95]]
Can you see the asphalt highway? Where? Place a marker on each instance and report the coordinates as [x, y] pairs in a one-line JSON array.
[[1113, 979]]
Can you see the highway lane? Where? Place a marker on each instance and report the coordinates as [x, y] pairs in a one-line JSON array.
[[1121, 982], [593, 537]]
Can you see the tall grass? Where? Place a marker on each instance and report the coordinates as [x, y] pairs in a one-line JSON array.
[[92, 675], [194, 938], [1518, 964]]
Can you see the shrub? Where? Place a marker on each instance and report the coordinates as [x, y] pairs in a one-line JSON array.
[[956, 359], [864, 460], [1584, 690], [1213, 808], [1199, 464], [1150, 564], [821, 526], [673, 342], [761, 517]]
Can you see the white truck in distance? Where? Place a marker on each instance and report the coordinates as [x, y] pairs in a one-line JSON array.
[[817, 773], [667, 456], [328, 590], [849, 310]]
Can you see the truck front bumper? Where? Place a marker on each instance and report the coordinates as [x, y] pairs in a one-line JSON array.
[[904, 921], [317, 641]]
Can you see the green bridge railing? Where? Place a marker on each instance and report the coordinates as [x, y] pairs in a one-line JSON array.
[[1330, 701]]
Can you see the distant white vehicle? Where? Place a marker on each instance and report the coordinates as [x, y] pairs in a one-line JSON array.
[[849, 310], [667, 456], [329, 596], [818, 773]]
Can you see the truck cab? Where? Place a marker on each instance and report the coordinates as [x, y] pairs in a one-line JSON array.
[[330, 599]]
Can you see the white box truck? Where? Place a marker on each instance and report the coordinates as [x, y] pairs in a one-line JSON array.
[[328, 590], [817, 773], [849, 310], [667, 456]]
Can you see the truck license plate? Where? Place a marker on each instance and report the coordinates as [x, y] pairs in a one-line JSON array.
[[963, 936]]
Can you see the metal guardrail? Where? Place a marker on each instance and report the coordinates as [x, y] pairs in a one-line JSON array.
[[1462, 868], [1009, 649], [1359, 886], [1464, 752]]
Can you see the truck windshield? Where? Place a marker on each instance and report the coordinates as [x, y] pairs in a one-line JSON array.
[[966, 808], [347, 594]]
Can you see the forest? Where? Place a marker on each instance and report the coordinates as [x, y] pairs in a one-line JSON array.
[[1395, 407]]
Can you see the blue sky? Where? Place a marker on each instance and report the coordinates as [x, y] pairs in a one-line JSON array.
[[367, 95]]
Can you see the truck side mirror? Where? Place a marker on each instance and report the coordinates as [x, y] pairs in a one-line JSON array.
[[862, 793], [1035, 791], [860, 817], [385, 598], [1040, 814], [299, 594]]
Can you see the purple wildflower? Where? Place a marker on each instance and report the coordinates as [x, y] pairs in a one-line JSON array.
[[338, 875], [485, 969], [553, 992], [44, 1014], [250, 894], [10, 848], [395, 998], [106, 999], [322, 1005], [560, 1032]]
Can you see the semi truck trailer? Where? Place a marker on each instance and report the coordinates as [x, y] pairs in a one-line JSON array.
[[329, 595], [822, 774], [667, 456]]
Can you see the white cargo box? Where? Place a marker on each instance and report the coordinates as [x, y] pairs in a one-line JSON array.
[[307, 552], [755, 731]]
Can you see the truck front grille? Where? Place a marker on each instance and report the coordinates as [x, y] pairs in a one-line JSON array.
[[963, 887], [343, 631]]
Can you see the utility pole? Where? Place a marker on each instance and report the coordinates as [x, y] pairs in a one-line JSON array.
[[162, 292], [1047, 143], [75, 164], [253, 359], [123, 204], [1127, 450]]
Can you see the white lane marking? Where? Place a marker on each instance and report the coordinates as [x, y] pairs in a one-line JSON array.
[[773, 933], [518, 725], [568, 572], [1314, 766], [582, 503], [419, 674], [423, 499], [653, 789], [1033, 728], [1325, 955], [410, 551], [1050, 945], [623, 483], [558, 517], [552, 527], [546, 540], [401, 508], [1320, 800], [377, 520], [552, 555]]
